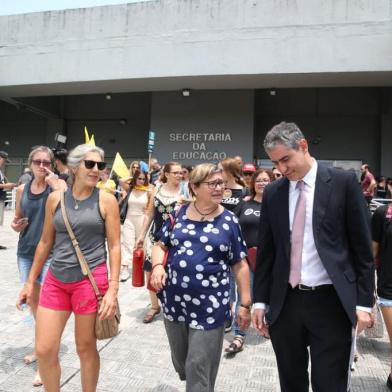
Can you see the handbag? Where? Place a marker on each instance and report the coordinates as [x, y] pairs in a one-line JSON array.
[[252, 253], [104, 329], [166, 255], [123, 206]]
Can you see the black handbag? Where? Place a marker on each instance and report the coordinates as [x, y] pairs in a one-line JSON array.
[[124, 207]]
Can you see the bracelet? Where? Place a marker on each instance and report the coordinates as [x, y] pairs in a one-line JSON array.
[[156, 265], [246, 306]]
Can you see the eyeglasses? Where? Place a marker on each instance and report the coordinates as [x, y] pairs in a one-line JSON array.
[[215, 184], [176, 173], [38, 162], [91, 164], [247, 173], [262, 181]]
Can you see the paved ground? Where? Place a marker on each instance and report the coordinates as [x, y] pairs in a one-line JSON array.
[[138, 359]]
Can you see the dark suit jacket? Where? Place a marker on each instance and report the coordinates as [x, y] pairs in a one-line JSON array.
[[341, 229]]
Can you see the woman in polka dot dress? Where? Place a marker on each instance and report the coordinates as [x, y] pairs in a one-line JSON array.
[[204, 244]]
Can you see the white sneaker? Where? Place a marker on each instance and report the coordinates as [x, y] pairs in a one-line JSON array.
[[124, 275]]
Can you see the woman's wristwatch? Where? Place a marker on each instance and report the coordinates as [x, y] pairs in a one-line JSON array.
[[249, 307]]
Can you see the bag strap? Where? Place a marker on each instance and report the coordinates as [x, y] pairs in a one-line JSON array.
[[82, 261]]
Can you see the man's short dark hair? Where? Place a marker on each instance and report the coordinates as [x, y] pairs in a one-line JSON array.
[[61, 155]]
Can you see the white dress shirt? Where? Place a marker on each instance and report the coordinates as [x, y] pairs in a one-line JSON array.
[[313, 272]]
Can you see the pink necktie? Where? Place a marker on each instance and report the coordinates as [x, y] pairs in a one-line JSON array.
[[297, 236]]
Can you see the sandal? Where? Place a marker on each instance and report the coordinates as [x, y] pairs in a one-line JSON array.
[[37, 382], [29, 358], [150, 315], [234, 347]]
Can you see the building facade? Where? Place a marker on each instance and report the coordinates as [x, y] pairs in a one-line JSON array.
[[122, 71]]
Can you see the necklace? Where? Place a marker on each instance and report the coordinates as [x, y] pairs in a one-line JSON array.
[[76, 202], [203, 216]]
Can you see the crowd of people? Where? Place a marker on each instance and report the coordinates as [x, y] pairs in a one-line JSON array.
[[219, 239]]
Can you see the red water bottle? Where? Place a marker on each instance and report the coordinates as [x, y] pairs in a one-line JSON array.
[[137, 268]]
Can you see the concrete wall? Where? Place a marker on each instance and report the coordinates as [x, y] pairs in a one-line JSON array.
[[338, 123], [341, 123], [220, 123], [119, 47], [120, 124]]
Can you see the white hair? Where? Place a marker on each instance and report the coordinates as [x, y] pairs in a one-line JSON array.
[[79, 152]]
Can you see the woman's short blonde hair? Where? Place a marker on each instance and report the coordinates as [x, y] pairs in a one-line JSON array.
[[200, 173]]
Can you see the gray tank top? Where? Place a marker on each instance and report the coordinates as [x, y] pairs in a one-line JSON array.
[[89, 228], [33, 207]]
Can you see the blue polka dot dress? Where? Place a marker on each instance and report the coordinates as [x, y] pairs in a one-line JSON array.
[[198, 286]]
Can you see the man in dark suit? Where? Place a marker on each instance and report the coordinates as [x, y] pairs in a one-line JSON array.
[[314, 279]]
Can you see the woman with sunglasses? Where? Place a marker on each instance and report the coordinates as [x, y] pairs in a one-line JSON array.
[[94, 217], [247, 172], [138, 199], [248, 213], [204, 244], [125, 182], [164, 200], [29, 220]]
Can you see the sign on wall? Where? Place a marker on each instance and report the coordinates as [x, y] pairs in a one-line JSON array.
[[199, 146]]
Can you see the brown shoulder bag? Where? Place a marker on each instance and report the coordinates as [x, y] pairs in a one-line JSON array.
[[104, 329]]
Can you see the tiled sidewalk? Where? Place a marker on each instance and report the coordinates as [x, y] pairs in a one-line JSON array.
[[139, 359]]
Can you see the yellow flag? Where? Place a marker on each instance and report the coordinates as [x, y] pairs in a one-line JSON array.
[[86, 136], [91, 141], [119, 167]]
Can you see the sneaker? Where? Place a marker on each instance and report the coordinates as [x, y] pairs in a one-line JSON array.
[[124, 274]]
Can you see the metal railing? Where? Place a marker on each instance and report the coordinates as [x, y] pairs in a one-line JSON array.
[[11, 199], [375, 203]]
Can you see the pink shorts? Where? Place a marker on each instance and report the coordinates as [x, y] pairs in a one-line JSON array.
[[78, 297]]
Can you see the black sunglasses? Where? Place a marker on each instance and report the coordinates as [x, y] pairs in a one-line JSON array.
[[90, 164]]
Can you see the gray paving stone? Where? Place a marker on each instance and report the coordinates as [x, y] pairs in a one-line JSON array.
[[138, 360]]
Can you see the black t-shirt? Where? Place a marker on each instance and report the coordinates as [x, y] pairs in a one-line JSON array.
[[381, 192], [232, 197], [248, 213], [382, 233]]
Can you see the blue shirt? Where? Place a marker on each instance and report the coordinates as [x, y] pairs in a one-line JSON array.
[[197, 289]]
